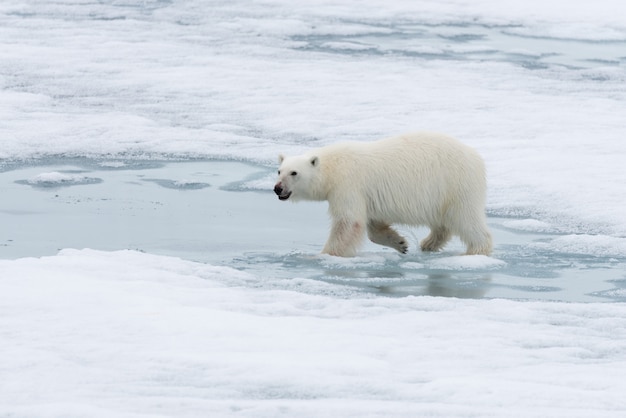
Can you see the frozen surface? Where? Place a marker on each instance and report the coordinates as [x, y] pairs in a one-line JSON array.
[[97, 100], [127, 334]]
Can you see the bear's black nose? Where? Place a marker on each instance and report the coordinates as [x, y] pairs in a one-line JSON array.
[[278, 190]]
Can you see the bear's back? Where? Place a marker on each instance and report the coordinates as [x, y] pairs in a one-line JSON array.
[[407, 177], [423, 155]]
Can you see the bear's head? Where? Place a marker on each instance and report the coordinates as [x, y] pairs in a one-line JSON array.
[[297, 177]]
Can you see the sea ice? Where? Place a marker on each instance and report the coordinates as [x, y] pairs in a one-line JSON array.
[[262, 326], [472, 262], [131, 334], [56, 179]]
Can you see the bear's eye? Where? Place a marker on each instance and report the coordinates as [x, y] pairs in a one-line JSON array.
[[279, 172], [294, 173]]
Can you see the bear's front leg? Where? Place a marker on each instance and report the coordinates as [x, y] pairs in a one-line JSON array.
[[345, 238]]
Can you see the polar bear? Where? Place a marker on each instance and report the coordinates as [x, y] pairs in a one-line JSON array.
[[421, 179]]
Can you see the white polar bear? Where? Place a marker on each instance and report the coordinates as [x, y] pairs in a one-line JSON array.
[[418, 179]]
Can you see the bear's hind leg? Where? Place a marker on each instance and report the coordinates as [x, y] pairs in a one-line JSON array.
[[478, 240], [381, 233], [437, 238]]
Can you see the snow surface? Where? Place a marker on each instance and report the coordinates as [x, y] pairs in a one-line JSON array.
[[467, 263], [539, 88], [56, 178], [127, 334]]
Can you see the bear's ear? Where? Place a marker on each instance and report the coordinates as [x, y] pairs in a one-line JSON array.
[[315, 161], [281, 158]]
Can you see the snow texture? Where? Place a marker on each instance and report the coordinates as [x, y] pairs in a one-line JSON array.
[[127, 334], [55, 179]]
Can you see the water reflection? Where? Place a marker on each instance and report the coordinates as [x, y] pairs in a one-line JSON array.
[[441, 284]]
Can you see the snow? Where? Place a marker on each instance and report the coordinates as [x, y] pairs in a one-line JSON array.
[[530, 225], [597, 245], [55, 178], [467, 263], [90, 333], [538, 88]]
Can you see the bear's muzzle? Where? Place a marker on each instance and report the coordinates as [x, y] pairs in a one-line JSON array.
[[280, 192]]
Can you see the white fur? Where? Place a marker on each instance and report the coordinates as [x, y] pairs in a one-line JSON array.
[[418, 179]]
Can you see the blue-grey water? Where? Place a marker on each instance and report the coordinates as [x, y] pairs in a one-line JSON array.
[[469, 41], [220, 212]]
